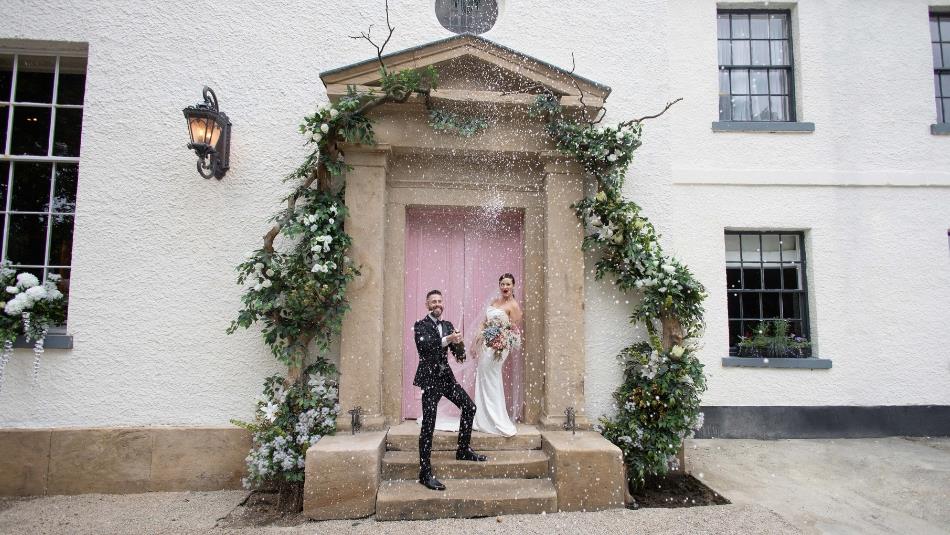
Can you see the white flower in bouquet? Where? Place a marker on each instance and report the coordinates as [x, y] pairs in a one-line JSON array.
[[26, 280], [677, 351], [324, 128], [333, 113], [316, 138], [270, 272], [267, 283], [270, 411], [258, 266], [36, 293]]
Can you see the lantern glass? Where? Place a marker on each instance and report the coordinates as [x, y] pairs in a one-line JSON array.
[[204, 129]]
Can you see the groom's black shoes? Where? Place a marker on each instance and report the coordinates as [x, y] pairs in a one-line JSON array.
[[431, 482], [469, 455]]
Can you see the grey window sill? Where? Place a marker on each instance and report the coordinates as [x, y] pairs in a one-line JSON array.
[[53, 341], [806, 363], [761, 126], [940, 129]]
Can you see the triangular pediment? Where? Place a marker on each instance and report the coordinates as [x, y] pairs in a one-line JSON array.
[[472, 63]]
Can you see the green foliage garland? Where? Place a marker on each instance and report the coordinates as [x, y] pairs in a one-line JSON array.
[[448, 122], [658, 402]]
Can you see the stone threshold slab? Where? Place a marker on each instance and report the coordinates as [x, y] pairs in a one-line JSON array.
[[512, 464], [405, 437], [465, 498]]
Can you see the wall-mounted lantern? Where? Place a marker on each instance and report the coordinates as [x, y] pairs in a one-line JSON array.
[[210, 132]]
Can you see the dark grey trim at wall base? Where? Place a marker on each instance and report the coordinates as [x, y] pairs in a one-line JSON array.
[[825, 422], [761, 126], [799, 363], [941, 129], [53, 341]]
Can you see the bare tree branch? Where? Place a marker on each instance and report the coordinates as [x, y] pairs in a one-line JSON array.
[[379, 48], [601, 111], [641, 119]]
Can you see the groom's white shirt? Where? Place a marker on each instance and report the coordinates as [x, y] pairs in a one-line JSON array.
[[438, 325]]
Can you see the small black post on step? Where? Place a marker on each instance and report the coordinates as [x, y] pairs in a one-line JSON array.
[[570, 423], [355, 422]]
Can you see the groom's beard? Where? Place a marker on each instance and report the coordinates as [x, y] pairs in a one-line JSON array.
[[436, 312]]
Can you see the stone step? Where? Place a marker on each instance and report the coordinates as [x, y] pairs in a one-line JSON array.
[[525, 464], [464, 498], [405, 437]]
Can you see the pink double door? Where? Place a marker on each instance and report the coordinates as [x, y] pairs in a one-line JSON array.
[[461, 252]]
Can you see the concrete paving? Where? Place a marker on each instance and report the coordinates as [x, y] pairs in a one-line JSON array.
[[886, 485]]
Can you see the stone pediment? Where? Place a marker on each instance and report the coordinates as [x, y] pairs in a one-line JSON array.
[[473, 68]]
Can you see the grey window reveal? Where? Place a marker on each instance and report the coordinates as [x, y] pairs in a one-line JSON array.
[[41, 108], [940, 44], [765, 280], [755, 66], [467, 16]]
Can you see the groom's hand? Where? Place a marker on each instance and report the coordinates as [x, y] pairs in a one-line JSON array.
[[455, 338]]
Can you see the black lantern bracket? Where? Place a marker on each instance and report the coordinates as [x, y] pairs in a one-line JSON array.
[[210, 133]]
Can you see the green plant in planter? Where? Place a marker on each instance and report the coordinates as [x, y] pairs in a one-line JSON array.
[[772, 340]]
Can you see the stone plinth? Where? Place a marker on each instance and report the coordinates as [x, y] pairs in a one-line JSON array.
[[587, 470], [343, 475]]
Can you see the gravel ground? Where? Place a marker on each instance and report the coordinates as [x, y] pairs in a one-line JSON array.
[[204, 512]]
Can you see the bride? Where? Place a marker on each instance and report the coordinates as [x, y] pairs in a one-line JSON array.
[[491, 414]]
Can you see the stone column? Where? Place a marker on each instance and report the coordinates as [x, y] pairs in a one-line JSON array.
[[564, 360], [361, 343]]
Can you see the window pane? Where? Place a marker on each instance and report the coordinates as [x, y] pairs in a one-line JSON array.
[[790, 248], [946, 110], [725, 48], [30, 131], [945, 85], [4, 175], [760, 53], [725, 108], [778, 82], [34, 78], [31, 184], [770, 305], [740, 53], [6, 76], [732, 247], [791, 306], [735, 329], [750, 306], [722, 26], [750, 248], [740, 26], [753, 278], [63, 283], [733, 278], [740, 109], [733, 300], [772, 276], [770, 247], [792, 277], [759, 81], [946, 55], [739, 81], [936, 51], [760, 108], [945, 28], [26, 242], [779, 53], [67, 133], [779, 108], [778, 27], [72, 80], [934, 35], [61, 241], [64, 196], [724, 82], [760, 26], [4, 115]]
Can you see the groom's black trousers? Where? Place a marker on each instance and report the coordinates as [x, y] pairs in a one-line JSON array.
[[430, 403]]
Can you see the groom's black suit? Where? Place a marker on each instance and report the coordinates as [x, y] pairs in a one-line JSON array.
[[436, 379]]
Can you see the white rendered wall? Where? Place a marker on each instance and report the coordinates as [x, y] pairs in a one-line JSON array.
[[155, 246]]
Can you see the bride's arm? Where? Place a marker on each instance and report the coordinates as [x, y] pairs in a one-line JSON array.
[[516, 316]]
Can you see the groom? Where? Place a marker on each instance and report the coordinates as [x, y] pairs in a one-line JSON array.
[[434, 337]]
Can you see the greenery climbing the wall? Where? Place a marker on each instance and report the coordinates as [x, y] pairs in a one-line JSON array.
[[454, 123], [658, 401]]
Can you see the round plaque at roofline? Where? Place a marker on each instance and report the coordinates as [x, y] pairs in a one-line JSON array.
[[467, 16]]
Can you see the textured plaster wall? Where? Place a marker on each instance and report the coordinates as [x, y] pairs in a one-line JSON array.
[[155, 245]]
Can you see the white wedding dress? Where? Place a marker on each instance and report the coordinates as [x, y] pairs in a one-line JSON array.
[[491, 413]]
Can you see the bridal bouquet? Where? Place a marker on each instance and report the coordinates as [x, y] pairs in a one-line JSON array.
[[500, 335]]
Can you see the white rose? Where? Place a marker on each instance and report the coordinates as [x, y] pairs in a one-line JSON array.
[[270, 272], [678, 351], [332, 221], [267, 283], [316, 138], [258, 266], [333, 113], [324, 128]]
